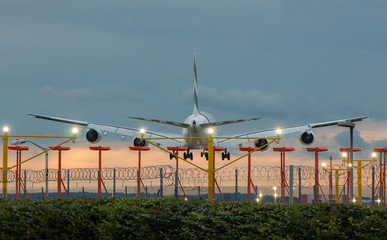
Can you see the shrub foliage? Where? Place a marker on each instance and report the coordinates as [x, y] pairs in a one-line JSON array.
[[85, 218]]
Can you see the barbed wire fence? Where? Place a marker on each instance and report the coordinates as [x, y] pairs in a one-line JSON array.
[[264, 175]]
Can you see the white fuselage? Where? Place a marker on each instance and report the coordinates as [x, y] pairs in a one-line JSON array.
[[195, 130]]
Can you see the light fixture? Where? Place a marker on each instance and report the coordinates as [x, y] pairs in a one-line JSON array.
[[323, 164], [374, 155], [142, 132], [75, 131], [18, 141], [278, 132], [210, 131], [344, 155], [5, 129]]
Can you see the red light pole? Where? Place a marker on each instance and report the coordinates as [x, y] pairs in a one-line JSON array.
[[18, 149], [176, 152], [284, 184], [100, 149], [249, 181], [316, 150], [60, 181], [139, 181]]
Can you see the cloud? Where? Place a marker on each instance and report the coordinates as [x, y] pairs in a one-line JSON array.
[[102, 95]]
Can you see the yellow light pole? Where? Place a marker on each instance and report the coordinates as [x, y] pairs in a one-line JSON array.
[[211, 171], [337, 175], [5, 161], [359, 185]]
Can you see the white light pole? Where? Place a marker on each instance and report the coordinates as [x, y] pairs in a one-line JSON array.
[[22, 141]]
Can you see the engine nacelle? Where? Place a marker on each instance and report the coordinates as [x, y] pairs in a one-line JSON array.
[[260, 142], [306, 137], [93, 135], [138, 142]]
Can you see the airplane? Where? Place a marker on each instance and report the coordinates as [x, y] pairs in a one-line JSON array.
[[196, 124]]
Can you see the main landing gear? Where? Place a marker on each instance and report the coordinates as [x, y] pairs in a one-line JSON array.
[[225, 154], [187, 155]]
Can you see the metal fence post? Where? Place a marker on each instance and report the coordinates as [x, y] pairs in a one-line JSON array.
[[68, 182], [236, 184], [25, 183], [299, 184], [161, 183], [291, 184], [176, 184], [114, 182], [199, 191], [373, 185]]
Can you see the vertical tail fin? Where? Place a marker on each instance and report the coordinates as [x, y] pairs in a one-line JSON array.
[[196, 104]]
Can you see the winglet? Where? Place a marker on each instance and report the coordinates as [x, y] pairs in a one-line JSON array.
[[196, 104]]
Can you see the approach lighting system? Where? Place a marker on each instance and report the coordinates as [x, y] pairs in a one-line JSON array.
[[374, 155], [5, 129], [324, 165], [210, 131], [344, 155]]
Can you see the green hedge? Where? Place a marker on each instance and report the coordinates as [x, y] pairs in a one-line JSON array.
[[85, 218]]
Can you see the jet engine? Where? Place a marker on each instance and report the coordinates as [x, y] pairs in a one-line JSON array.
[[93, 135], [260, 142], [306, 137], [138, 142]]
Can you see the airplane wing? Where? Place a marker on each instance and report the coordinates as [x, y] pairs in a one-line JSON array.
[[123, 131], [272, 132]]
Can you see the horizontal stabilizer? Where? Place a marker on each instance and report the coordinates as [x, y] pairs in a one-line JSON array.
[[214, 124], [177, 124]]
